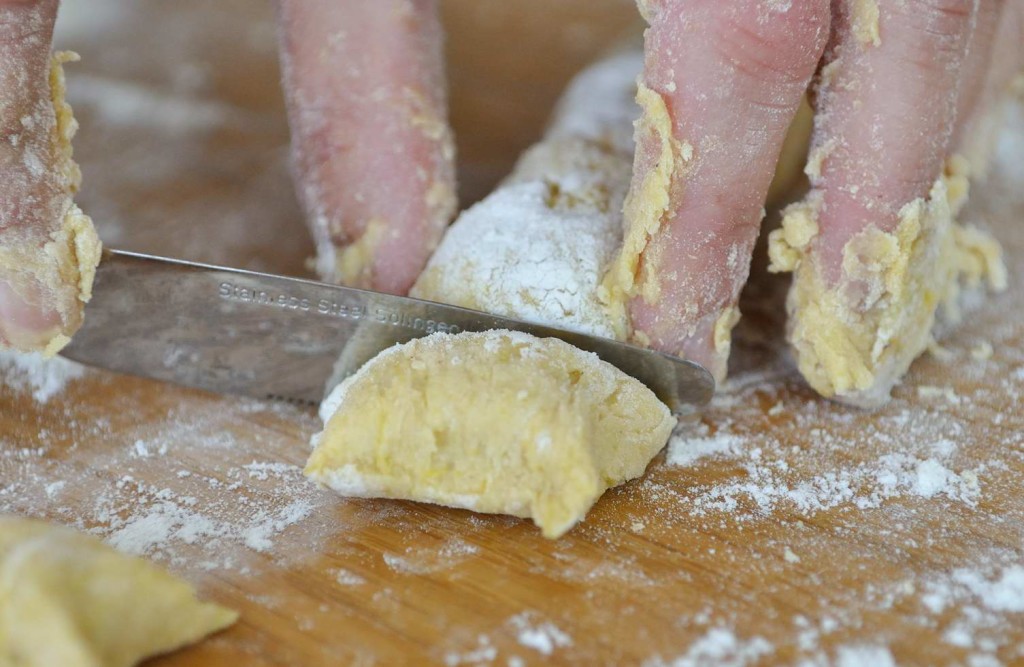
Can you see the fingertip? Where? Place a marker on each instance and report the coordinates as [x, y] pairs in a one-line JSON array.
[[364, 88]]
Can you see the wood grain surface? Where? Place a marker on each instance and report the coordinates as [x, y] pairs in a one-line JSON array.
[[806, 531]]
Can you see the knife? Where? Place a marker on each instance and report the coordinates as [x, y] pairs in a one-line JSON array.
[[241, 332]]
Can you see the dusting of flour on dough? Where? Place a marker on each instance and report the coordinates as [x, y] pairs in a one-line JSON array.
[[468, 421], [537, 247]]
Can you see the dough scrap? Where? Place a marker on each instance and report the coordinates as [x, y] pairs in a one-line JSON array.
[[354, 262], [68, 599], [67, 265], [497, 422], [855, 344]]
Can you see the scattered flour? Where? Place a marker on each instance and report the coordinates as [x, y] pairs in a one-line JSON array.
[[428, 560], [720, 647], [45, 378], [483, 653], [541, 637], [931, 392], [162, 517], [1002, 592], [863, 655], [222, 516], [348, 578], [684, 451], [768, 483]]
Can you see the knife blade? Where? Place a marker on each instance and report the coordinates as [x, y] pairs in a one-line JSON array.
[[271, 337]]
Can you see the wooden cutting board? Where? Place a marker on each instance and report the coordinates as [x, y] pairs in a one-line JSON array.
[[787, 528]]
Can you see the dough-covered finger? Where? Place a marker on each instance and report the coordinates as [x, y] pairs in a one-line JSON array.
[[980, 48], [48, 249], [995, 59], [721, 84], [372, 149], [874, 245]]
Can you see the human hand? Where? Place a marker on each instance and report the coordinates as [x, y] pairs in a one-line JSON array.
[[900, 86]]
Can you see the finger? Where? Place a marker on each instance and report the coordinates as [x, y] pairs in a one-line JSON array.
[[976, 66], [1007, 64], [995, 58], [896, 101], [721, 83], [371, 145], [876, 228], [47, 248]]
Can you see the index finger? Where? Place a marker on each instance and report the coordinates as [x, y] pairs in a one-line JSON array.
[[48, 249]]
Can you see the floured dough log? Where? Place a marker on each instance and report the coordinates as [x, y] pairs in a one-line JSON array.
[[855, 340], [536, 247], [498, 422], [68, 599], [48, 248]]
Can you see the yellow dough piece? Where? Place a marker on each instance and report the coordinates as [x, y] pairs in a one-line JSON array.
[[498, 422], [68, 599]]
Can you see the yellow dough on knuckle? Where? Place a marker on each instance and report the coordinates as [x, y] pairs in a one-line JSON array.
[[68, 599], [497, 422], [853, 342]]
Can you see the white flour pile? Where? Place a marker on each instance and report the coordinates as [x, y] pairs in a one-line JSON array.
[[718, 646], [543, 637], [43, 378]]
